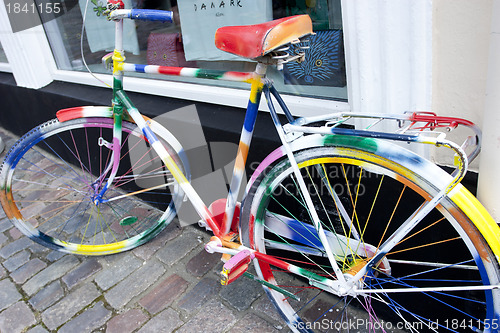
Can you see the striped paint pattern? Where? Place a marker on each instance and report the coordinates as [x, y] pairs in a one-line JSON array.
[[187, 72], [243, 148]]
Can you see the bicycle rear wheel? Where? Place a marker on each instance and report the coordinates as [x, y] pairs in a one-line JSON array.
[[50, 178], [362, 198]]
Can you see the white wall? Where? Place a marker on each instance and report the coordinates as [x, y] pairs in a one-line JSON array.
[[489, 177], [460, 43], [466, 80]]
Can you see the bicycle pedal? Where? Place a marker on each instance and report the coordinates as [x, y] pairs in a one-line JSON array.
[[235, 267]]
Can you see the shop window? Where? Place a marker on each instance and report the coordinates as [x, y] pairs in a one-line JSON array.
[[188, 42]]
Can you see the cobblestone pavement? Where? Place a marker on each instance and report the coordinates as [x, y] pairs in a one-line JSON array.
[[167, 285]]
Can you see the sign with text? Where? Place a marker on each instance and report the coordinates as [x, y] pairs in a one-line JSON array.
[[201, 18]]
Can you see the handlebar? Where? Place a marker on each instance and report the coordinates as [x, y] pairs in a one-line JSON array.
[[142, 14]]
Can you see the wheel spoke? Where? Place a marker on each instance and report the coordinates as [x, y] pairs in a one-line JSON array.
[[433, 273], [60, 168]]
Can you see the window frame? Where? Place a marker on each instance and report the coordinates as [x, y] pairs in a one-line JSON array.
[[363, 94], [5, 67]]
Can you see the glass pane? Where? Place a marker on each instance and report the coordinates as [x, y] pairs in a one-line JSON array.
[[189, 41], [3, 58]]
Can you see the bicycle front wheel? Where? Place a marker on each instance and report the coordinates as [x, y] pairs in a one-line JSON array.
[[52, 176], [430, 281]]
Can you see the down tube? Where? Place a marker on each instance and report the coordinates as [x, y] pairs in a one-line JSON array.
[[243, 147], [188, 189]]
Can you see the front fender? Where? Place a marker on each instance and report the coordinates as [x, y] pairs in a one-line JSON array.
[[107, 112], [84, 112]]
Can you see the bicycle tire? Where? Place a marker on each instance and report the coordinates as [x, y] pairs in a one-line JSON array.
[[469, 254], [50, 178]]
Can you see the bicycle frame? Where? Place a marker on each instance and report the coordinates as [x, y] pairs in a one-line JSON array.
[[120, 101], [259, 84]]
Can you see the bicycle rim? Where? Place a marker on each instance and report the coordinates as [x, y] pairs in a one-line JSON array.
[[376, 196], [51, 177]]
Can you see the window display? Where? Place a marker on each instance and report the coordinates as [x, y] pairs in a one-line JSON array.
[[189, 41]]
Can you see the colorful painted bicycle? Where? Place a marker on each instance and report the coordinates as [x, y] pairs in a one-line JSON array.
[[341, 224]]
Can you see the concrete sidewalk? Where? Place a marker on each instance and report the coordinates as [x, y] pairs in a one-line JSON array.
[[167, 285]]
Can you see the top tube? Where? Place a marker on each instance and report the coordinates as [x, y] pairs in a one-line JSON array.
[[120, 66]]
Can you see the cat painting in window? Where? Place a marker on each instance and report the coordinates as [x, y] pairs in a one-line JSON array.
[[324, 63]]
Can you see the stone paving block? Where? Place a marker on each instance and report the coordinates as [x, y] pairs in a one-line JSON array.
[[5, 223], [70, 305], [322, 311], [14, 247], [134, 284], [203, 291], [47, 296], [88, 320], [3, 239], [17, 260], [165, 322], [8, 294], [147, 250], [38, 248], [51, 273], [265, 306], [215, 319], [55, 255], [3, 272], [26, 271], [35, 208], [176, 249], [37, 329], [87, 268], [126, 322], [15, 233], [111, 275], [250, 323], [201, 263], [241, 293], [164, 294], [16, 318]]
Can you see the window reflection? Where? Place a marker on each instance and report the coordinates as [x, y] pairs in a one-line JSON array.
[[187, 43]]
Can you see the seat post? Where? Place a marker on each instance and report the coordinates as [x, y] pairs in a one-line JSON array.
[[261, 69]]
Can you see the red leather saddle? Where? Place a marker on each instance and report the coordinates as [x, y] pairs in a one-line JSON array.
[[253, 41]]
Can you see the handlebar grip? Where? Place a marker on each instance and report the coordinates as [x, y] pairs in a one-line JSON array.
[[151, 15]]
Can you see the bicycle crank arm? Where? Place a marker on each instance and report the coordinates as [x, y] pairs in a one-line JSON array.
[[329, 284], [238, 264], [216, 245]]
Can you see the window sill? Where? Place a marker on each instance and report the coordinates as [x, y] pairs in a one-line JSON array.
[[5, 67], [300, 106]]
